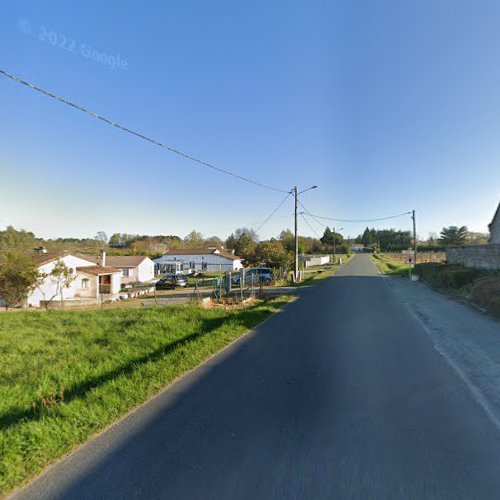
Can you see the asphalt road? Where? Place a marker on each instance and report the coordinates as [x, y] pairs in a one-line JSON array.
[[358, 390]]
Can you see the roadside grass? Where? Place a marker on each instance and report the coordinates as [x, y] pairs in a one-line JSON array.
[[321, 272], [390, 266], [65, 375]]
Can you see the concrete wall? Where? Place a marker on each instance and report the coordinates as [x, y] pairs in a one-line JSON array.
[[476, 256], [315, 260]]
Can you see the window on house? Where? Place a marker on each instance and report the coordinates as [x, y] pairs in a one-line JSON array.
[[85, 283], [126, 273]]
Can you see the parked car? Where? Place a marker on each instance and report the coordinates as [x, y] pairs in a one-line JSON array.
[[260, 275], [171, 281]]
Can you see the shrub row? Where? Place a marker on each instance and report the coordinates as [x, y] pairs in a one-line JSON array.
[[447, 276], [486, 293], [483, 287]]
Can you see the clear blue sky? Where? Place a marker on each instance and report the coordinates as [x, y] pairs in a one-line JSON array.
[[387, 106]]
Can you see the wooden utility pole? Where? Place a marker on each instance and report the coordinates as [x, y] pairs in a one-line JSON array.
[[414, 237], [334, 242], [296, 270]]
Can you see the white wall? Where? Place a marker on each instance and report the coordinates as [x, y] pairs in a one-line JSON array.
[[47, 288], [116, 283], [144, 272], [214, 262]]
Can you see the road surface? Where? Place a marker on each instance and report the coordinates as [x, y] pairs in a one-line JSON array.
[[364, 388]]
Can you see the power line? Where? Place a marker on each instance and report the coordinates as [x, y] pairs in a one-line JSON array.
[[307, 222], [137, 134], [359, 220], [310, 215], [274, 211], [245, 225]]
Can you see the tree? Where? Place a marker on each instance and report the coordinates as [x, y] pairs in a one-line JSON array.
[[102, 240], [369, 237], [16, 240], [60, 278], [453, 236], [329, 237], [248, 231], [245, 247], [287, 239], [275, 255], [18, 276], [194, 239]]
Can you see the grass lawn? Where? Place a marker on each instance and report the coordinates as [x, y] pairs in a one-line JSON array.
[[386, 265], [65, 375]]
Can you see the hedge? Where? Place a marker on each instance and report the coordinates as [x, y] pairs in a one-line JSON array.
[[483, 287], [447, 276]]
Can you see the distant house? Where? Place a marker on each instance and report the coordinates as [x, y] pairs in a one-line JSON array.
[[88, 282], [196, 259], [495, 227], [357, 247], [134, 268]]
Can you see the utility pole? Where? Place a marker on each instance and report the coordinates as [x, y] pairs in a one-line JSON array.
[[296, 269], [334, 241], [296, 194], [414, 237]]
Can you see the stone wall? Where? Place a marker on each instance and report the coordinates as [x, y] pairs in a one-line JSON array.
[[476, 256]]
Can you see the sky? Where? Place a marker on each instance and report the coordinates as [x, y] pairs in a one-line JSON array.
[[386, 106]]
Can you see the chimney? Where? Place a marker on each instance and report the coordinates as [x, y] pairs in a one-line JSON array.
[[103, 258]]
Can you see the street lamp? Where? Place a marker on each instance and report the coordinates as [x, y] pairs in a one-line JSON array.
[[296, 194]]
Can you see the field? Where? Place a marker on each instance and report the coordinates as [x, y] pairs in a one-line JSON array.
[[65, 375]]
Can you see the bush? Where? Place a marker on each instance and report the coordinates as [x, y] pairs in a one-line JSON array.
[[447, 276], [486, 292]]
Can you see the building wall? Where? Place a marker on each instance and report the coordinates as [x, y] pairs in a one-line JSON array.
[[475, 256], [47, 288], [495, 229], [146, 270], [214, 262], [93, 290], [133, 275], [116, 283]]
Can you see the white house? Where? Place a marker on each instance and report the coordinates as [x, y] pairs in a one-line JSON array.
[[135, 268], [196, 259], [88, 280]]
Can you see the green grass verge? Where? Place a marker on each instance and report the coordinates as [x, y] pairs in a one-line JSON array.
[[65, 375], [388, 266]]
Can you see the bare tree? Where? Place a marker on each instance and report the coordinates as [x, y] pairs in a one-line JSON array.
[[102, 240]]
